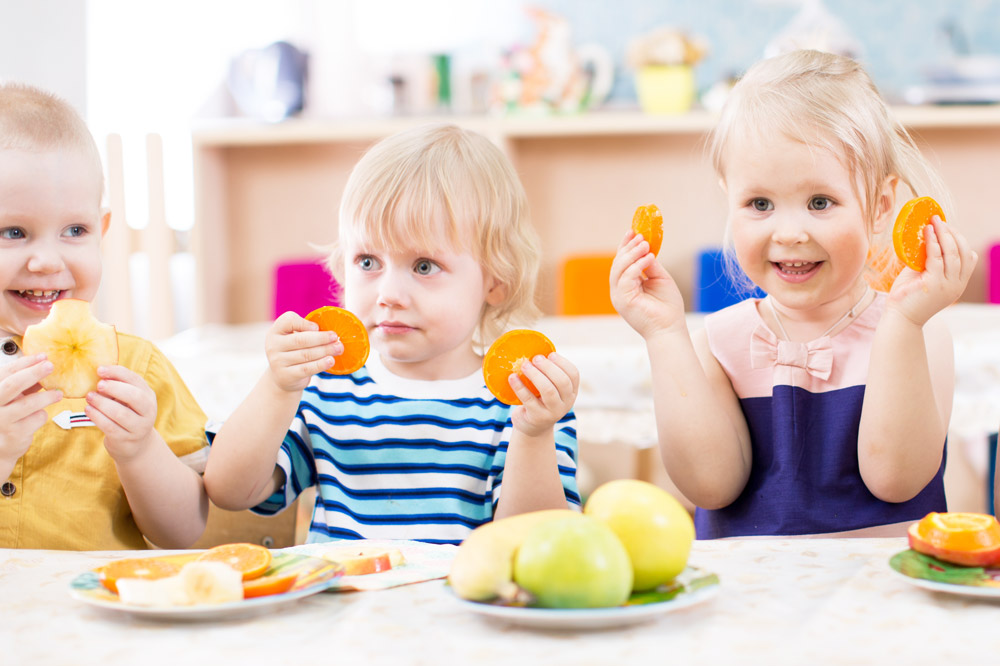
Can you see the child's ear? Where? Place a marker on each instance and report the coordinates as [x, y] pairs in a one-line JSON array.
[[886, 204], [105, 220], [497, 292]]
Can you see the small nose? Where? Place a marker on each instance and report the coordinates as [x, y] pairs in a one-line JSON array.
[[392, 290], [789, 229], [45, 258]]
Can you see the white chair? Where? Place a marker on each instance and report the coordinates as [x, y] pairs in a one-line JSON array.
[[142, 304]]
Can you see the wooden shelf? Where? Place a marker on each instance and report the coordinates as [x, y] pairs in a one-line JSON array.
[[244, 132]]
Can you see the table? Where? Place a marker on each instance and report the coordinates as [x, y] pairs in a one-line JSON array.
[[782, 601]]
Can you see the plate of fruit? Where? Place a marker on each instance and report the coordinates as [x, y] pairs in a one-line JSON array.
[[224, 581], [955, 553], [623, 560]]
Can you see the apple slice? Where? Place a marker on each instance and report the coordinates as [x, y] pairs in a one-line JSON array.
[[76, 343], [359, 561]]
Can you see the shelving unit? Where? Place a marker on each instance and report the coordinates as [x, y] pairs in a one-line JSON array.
[[269, 192]]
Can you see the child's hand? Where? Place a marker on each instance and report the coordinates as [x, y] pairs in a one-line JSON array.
[[22, 406], [642, 291], [557, 381], [950, 262], [297, 350], [123, 407]]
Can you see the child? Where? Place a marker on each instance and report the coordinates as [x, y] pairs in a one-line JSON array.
[[121, 476], [823, 407], [436, 256]]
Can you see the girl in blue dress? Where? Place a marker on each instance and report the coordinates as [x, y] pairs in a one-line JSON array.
[[822, 408]]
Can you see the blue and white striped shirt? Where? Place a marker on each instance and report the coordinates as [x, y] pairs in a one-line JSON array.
[[396, 458]]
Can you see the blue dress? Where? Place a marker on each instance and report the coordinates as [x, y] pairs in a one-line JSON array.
[[802, 404]]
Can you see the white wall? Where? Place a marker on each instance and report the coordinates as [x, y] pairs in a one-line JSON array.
[[44, 43]]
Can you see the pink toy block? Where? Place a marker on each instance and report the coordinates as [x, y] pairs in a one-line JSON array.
[[302, 286]]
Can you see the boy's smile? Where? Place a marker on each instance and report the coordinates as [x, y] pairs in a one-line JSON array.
[[50, 232]]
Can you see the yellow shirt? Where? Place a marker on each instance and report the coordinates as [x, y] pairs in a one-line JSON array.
[[64, 492]]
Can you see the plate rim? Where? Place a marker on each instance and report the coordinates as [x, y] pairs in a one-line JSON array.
[[197, 612], [590, 617], [981, 591]]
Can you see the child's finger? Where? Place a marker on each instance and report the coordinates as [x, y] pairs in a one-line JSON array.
[[567, 367], [109, 412], [25, 378], [524, 394], [290, 322], [949, 250]]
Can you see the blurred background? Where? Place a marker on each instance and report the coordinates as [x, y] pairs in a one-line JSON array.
[[177, 68]]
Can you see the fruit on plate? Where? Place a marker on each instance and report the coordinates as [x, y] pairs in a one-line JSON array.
[[483, 568], [351, 332], [197, 583], [278, 583], [656, 530], [363, 560], [573, 563], [76, 344], [969, 539], [908, 231], [506, 356], [250, 559], [145, 568], [648, 221]]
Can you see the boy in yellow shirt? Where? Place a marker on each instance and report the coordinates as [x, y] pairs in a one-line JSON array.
[[128, 465]]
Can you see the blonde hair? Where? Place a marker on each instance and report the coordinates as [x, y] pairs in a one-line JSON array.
[[407, 183], [32, 119], [829, 101]]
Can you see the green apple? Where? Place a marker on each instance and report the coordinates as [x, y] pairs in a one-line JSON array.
[[655, 528], [573, 563]]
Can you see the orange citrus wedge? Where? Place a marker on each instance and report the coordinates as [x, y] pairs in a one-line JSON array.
[[149, 568], [506, 356], [248, 558], [351, 332], [908, 232], [648, 221], [970, 539], [278, 583]]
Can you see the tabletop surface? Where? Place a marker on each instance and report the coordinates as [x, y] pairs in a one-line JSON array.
[[795, 601]]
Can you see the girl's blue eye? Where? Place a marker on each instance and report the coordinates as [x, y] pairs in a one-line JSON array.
[[820, 203], [368, 263], [761, 205], [76, 230], [12, 233], [426, 267]]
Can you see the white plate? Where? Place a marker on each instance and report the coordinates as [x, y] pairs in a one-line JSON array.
[[950, 588], [589, 618], [201, 613], [315, 575]]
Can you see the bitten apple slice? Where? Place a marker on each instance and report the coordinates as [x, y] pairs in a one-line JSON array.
[[362, 560], [76, 343]]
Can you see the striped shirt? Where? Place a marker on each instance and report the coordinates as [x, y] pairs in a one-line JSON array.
[[396, 458]]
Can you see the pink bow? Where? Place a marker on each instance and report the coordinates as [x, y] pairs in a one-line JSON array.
[[815, 357]]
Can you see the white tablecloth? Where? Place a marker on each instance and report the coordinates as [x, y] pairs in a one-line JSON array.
[[781, 601]]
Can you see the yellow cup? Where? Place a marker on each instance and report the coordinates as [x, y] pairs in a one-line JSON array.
[[665, 88]]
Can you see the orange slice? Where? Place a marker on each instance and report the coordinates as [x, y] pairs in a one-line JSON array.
[[648, 221], [908, 232], [278, 583], [507, 355], [148, 568], [970, 539], [352, 333], [248, 558]]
